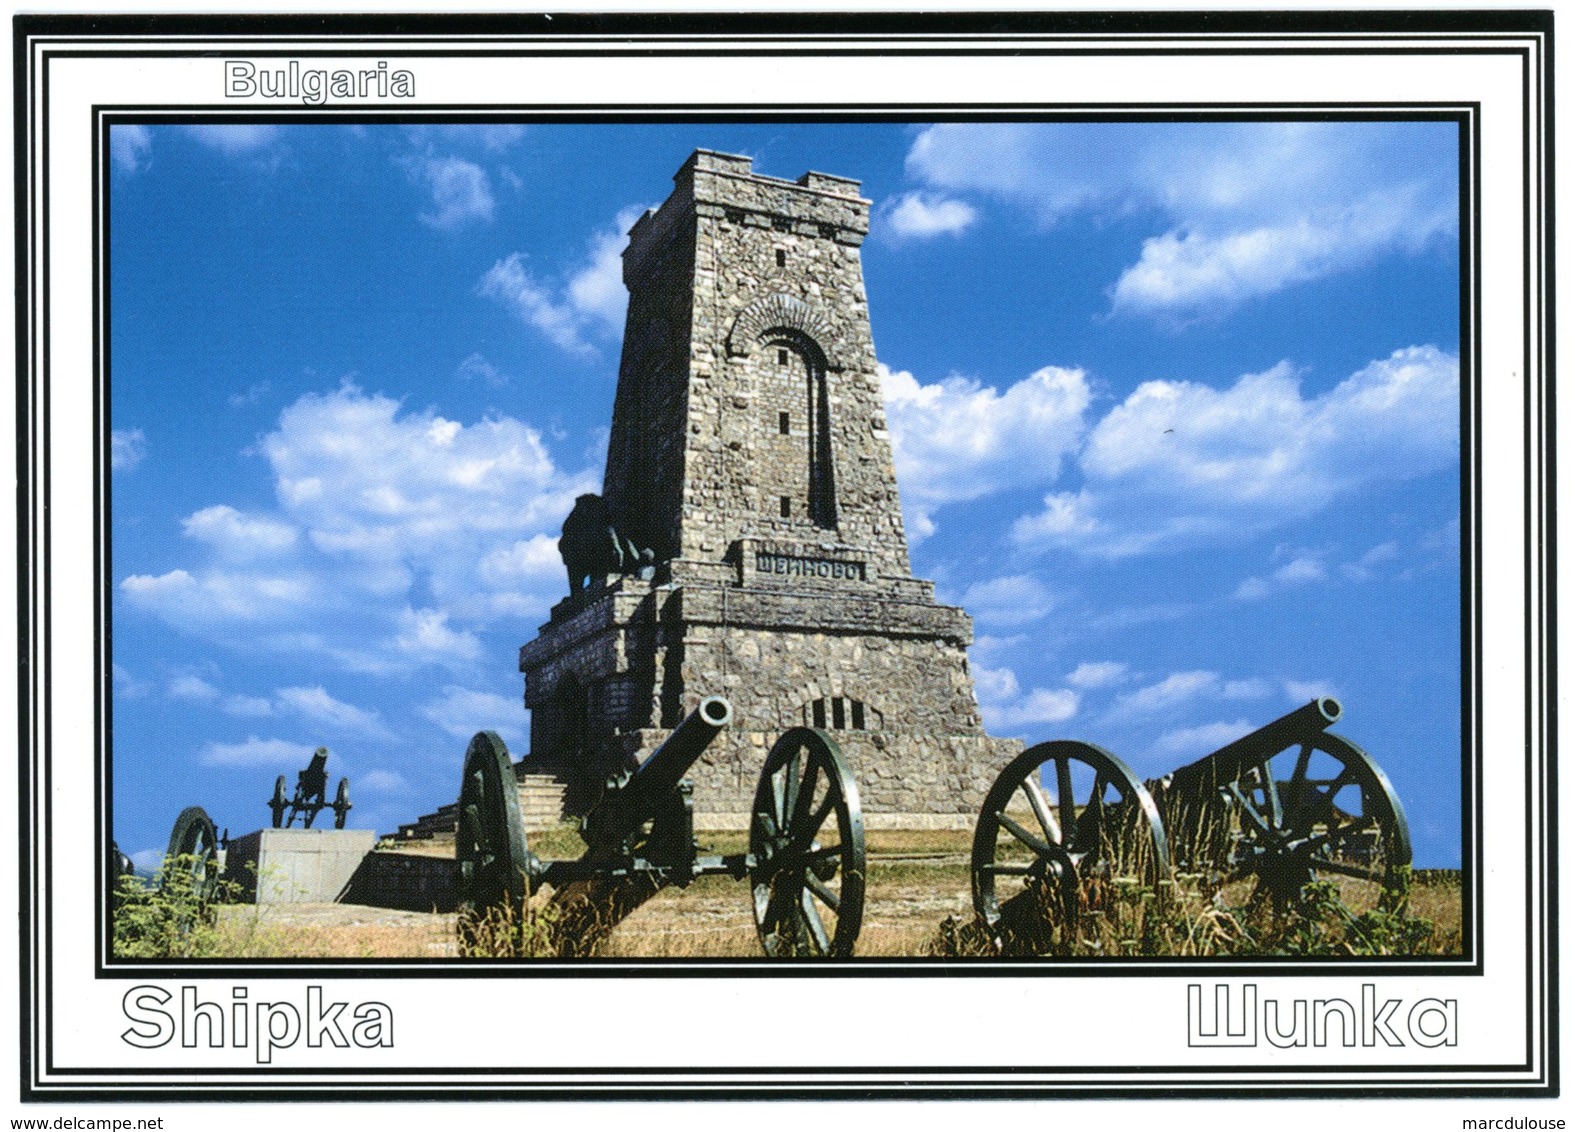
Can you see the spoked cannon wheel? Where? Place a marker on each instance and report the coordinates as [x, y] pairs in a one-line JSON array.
[[1322, 810], [192, 858], [489, 842], [280, 801], [342, 804], [806, 839], [1063, 824]]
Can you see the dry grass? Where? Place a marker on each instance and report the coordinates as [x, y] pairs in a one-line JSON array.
[[917, 904], [332, 931]]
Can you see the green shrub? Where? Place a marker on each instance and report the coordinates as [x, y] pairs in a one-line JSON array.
[[173, 917]]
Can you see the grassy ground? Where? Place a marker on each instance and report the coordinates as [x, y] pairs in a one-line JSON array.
[[918, 903]]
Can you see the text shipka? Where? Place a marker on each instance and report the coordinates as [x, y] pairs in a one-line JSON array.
[[244, 1024], [808, 567], [243, 79]]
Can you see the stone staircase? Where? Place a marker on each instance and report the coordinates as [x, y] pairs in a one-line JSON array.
[[541, 797]]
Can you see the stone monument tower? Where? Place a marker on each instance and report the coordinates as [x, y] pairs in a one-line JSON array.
[[749, 452]]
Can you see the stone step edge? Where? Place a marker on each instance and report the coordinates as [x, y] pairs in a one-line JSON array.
[[541, 805]]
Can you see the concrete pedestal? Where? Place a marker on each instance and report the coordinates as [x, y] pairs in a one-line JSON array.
[[296, 866]]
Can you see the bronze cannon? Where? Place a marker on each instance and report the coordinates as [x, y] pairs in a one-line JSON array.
[[805, 862], [1286, 805], [311, 796]]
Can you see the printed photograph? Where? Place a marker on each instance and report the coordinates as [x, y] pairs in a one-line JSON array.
[[687, 540]]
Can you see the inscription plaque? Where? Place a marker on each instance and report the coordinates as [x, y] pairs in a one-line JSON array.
[[808, 567]]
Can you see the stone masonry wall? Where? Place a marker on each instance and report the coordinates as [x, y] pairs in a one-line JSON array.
[[779, 287]]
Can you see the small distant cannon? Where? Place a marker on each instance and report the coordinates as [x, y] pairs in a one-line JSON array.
[[310, 798], [1279, 808], [805, 864]]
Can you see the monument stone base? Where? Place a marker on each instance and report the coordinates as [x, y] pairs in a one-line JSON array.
[[296, 866]]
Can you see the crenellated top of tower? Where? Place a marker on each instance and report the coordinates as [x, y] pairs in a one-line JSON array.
[[817, 205]]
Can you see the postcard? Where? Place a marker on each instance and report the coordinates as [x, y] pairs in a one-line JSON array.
[[777, 558]]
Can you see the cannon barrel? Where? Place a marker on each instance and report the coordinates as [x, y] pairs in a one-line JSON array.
[[625, 810], [1230, 762]]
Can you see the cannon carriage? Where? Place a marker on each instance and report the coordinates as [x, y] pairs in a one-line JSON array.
[[310, 797], [805, 863], [1286, 805]]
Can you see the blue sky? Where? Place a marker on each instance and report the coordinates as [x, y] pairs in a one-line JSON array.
[[1175, 406]]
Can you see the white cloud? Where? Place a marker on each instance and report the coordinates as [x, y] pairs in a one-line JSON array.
[[129, 146], [511, 284], [994, 685], [127, 447], [316, 706], [596, 290], [425, 637], [461, 193], [257, 752], [1253, 589], [495, 137], [535, 559], [1097, 674], [1303, 690], [1176, 689], [1042, 705], [923, 215], [127, 686], [1304, 568], [463, 711], [233, 140], [408, 532], [1188, 743], [1301, 570], [959, 439], [221, 595], [1179, 693], [1004, 706], [477, 368], [256, 706], [1252, 688], [382, 782], [369, 483], [1012, 600], [238, 535], [1191, 272], [191, 688], [589, 302], [1181, 464], [1247, 208], [1366, 567]]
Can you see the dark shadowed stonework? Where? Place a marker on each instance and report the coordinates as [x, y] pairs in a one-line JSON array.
[[749, 450]]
